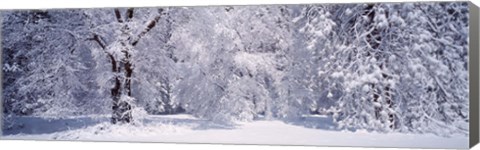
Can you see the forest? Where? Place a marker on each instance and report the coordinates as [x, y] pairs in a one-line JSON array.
[[384, 68]]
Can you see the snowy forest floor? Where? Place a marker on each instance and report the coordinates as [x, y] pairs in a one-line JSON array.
[[311, 130]]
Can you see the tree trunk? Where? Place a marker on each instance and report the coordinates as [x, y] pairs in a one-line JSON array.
[[121, 106], [121, 93]]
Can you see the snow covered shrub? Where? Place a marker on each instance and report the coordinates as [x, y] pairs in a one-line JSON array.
[[139, 114]]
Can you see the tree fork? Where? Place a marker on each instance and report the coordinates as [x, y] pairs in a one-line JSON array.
[[123, 112], [122, 109]]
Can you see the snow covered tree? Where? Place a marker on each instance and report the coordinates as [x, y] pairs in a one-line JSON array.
[[378, 66], [313, 58], [121, 54], [264, 60], [368, 85], [230, 73], [154, 84], [436, 62], [361, 64], [44, 63]]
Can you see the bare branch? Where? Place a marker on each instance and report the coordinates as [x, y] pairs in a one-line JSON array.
[[118, 15], [129, 14], [150, 26], [97, 39]]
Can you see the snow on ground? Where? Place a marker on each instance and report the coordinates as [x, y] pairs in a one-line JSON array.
[[316, 130]]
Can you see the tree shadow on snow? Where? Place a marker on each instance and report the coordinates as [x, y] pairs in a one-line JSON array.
[[37, 125], [195, 124], [322, 122]]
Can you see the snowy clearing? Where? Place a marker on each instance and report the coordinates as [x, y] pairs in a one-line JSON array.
[[313, 130]]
